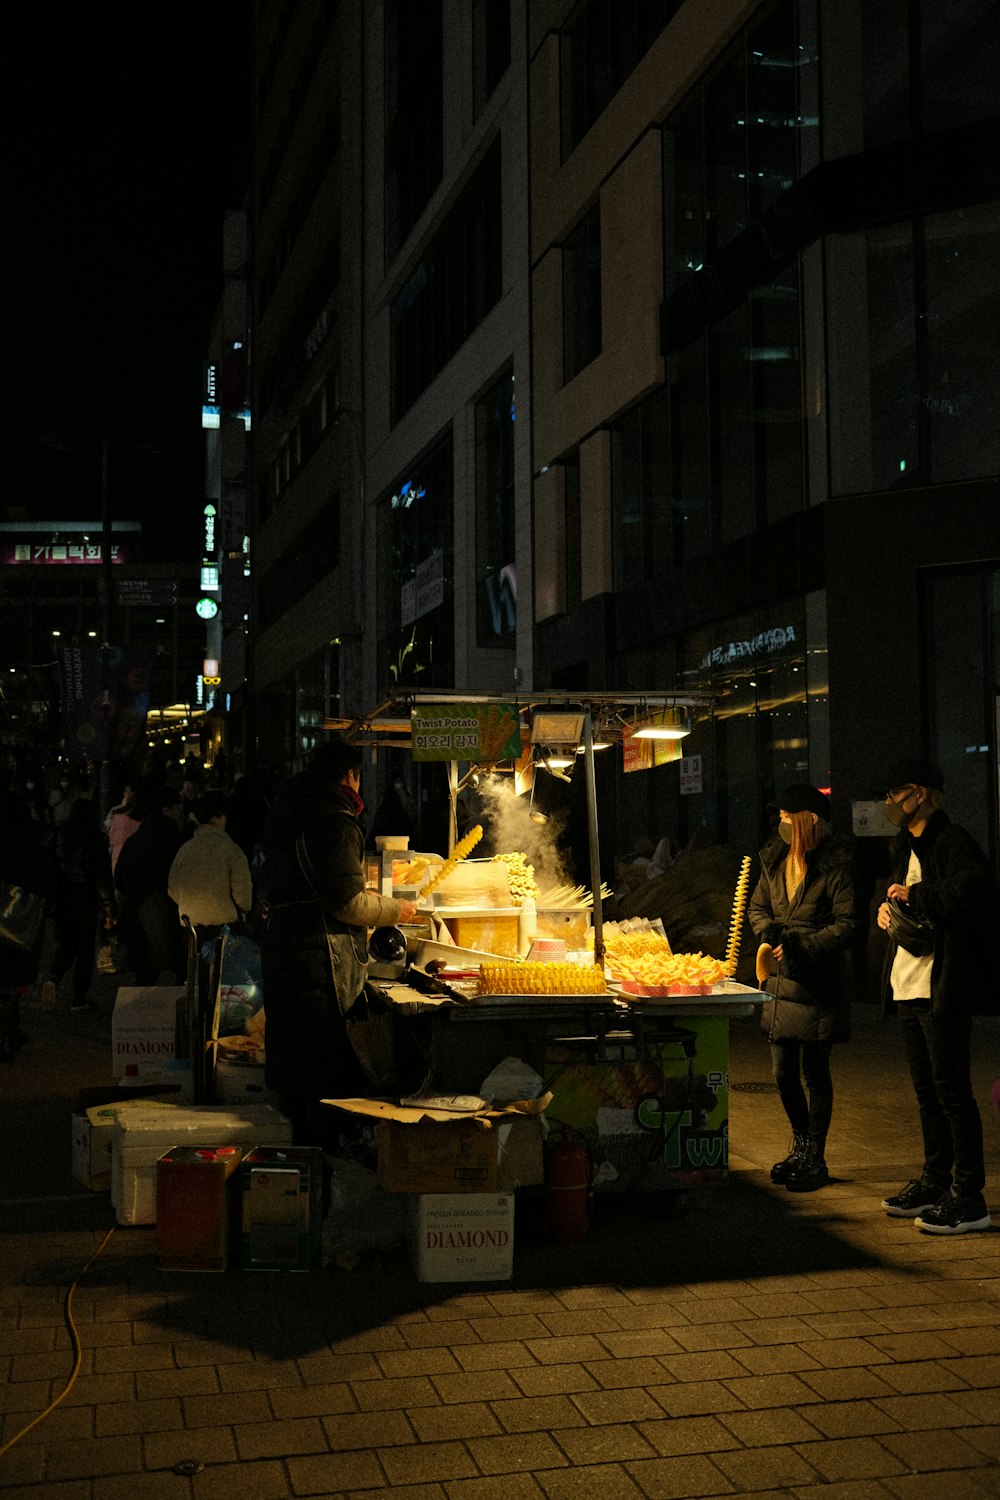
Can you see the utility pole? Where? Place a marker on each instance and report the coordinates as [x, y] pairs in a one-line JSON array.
[[107, 584]]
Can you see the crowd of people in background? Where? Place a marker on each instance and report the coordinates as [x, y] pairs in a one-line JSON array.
[[173, 853]]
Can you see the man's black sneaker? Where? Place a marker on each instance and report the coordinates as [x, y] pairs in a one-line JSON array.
[[954, 1216], [915, 1197]]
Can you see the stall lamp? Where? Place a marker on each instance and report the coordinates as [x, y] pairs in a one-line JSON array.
[[558, 762], [552, 726], [667, 724], [597, 745]]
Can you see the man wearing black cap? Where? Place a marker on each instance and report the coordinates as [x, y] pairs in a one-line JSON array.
[[935, 981]]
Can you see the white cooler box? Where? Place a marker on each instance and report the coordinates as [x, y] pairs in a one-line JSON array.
[[137, 1144]]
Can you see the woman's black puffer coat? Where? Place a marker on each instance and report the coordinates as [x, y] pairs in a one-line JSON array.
[[811, 1000], [307, 1050]]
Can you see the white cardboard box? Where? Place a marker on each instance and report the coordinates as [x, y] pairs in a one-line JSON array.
[[93, 1131], [140, 1137], [241, 1083], [461, 1236], [144, 1031]]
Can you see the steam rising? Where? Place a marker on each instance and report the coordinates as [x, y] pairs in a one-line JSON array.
[[510, 828]]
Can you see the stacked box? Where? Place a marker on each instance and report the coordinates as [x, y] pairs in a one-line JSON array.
[[461, 1237], [144, 1031], [142, 1136], [460, 1156], [93, 1120], [282, 1195], [238, 1082], [195, 1207]]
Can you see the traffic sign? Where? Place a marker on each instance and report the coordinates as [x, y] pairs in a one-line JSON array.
[[156, 593]]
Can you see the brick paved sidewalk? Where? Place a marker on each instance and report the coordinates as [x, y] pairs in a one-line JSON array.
[[757, 1342]]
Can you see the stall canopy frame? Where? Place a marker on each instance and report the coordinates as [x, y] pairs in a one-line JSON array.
[[597, 716]]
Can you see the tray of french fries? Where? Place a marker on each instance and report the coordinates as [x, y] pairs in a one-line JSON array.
[[641, 964]]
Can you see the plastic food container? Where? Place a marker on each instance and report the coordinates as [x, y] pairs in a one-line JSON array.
[[489, 929], [392, 842]]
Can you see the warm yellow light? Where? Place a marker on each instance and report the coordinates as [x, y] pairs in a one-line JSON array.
[[661, 732]]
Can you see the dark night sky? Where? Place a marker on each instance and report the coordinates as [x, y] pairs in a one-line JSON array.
[[128, 139]]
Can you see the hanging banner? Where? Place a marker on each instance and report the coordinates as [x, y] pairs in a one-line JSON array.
[[637, 755], [103, 702], [665, 751], [486, 732]]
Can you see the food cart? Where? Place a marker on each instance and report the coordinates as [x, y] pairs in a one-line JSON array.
[[637, 1071]]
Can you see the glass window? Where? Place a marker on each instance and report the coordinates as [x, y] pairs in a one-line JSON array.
[[417, 576], [726, 203], [581, 288], [684, 187], [732, 402], [414, 114], [872, 364], [963, 679], [962, 401], [490, 48], [776, 374], [602, 41], [690, 486], [452, 288], [496, 590], [641, 489], [959, 48], [773, 63]]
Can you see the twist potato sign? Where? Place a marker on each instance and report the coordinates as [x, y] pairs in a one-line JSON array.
[[466, 731]]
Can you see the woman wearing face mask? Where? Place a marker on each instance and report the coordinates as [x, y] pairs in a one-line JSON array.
[[805, 913]]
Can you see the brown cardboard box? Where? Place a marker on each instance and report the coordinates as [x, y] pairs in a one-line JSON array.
[[438, 1151]]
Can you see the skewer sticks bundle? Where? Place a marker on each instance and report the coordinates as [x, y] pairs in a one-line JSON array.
[[569, 898]]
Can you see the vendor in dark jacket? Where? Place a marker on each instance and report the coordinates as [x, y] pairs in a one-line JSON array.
[[314, 884], [804, 911], [935, 982]]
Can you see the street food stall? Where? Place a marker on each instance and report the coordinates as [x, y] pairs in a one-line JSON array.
[[507, 964]]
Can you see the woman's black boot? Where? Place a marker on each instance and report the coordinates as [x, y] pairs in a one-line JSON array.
[[782, 1170], [810, 1170]]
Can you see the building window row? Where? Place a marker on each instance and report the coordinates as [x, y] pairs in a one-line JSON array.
[[414, 114], [496, 570], [298, 446], [303, 564], [316, 168], [451, 290], [601, 43], [417, 583]]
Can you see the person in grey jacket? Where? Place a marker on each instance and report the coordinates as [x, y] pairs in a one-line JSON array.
[[934, 987], [210, 876], [805, 913]]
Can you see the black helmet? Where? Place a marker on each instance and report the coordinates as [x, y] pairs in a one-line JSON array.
[[910, 931]]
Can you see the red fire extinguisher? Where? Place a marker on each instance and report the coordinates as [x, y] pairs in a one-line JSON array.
[[567, 1188]]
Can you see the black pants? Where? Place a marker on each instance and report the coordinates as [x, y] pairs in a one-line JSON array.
[[76, 937], [939, 1054], [795, 1062]]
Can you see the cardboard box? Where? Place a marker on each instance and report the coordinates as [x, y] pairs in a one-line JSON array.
[[425, 1150], [144, 1031], [94, 1115], [282, 1212], [241, 1083], [140, 1137], [197, 1190], [461, 1236]]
